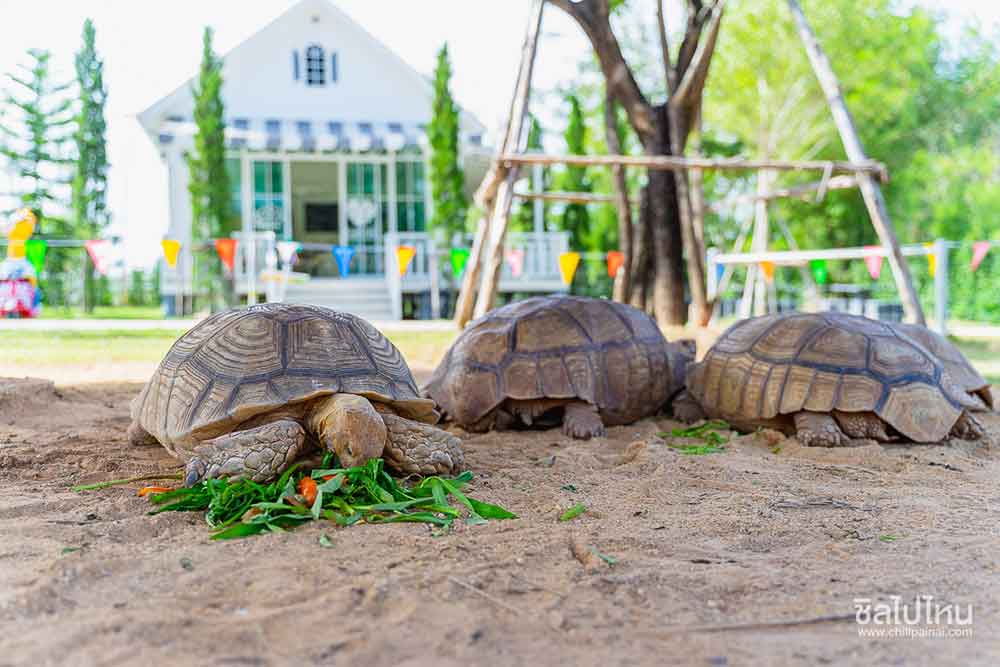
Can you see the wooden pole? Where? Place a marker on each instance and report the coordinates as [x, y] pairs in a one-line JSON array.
[[488, 195], [870, 190]]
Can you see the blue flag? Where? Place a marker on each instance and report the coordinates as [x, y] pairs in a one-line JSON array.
[[719, 270], [343, 254]]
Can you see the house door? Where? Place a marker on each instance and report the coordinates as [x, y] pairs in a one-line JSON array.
[[367, 215]]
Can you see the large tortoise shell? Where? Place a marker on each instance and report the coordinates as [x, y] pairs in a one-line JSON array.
[[609, 354], [244, 362], [764, 367]]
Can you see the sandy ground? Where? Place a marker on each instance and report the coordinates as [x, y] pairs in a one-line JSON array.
[[722, 559]]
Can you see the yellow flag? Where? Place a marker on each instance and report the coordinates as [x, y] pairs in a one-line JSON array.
[[171, 248], [768, 269], [405, 255], [21, 231], [931, 259], [568, 261]]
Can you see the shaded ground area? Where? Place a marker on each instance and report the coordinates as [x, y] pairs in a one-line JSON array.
[[708, 548]]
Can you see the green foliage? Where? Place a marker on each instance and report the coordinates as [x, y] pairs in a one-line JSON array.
[[575, 217], [138, 291], [447, 179], [89, 198], [523, 217], [209, 184]]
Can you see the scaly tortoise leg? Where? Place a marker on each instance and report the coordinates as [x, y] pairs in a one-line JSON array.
[[417, 448], [968, 428], [137, 436], [862, 425], [818, 429], [260, 453], [581, 420]]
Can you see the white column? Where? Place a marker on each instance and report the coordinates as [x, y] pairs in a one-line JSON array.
[[342, 199], [538, 206], [941, 286], [286, 208], [390, 199]]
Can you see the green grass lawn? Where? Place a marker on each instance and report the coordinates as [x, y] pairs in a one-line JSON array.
[[984, 353], [104, 313]]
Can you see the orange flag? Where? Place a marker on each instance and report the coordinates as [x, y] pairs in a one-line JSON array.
[[227, 252], [615, 261], [568, 261], [171, 248], [768, 269], [405, 255]]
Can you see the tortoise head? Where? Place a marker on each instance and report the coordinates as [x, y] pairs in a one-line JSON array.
[[681, 354]]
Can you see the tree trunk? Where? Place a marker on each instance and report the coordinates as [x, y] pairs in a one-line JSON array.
[[622, 283]]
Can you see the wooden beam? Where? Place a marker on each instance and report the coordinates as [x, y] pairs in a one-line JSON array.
[[571, 197], [870, 190], [841, 182], [674, 163]]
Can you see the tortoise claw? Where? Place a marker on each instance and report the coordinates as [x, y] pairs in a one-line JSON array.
[[194, 471]]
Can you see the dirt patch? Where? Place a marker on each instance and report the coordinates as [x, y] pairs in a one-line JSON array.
[[706, 549]]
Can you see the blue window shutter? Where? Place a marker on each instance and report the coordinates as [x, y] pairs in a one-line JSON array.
[[333, 68], [295, 65]]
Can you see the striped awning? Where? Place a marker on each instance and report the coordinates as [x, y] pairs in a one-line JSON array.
[[309, 136]]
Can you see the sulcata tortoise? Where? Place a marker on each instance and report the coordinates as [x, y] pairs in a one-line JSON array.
[[247, 391], [587, 362], [829, 377]]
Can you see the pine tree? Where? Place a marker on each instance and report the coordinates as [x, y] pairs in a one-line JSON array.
[[575, 218], [447, 179], [32, 138], [90, 214], [209, 184]]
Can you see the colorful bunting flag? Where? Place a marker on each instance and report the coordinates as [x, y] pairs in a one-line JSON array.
[[19, 232], [459, 256], [100, 254], [227, 252], [343, 254], [979, 250], [931, 259], [515, 260], [768, 269], [819, 272], [35, 252], [568, 261], [720, 270], [615, 261], [874, 262], [405, 255], [287, 250], [171, 248]]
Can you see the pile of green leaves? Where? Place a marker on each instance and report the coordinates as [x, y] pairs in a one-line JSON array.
[[713, 441], [345, 496]]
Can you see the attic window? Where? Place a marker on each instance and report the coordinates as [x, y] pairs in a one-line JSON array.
[[315, 66]]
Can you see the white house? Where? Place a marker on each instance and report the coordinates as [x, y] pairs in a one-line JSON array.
[[327, 147]]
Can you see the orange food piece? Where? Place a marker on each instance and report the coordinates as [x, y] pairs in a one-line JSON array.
[[146, 490], [307, 489]]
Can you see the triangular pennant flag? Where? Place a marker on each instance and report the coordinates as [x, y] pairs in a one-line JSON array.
[[931, 259], [343, 254], [615, 261], [768, 269], [515, 260], [20, 230], [35, 252], [287, 250], [100, 254], [568, 261], [171, 248], [819, 272], [459, 256], [227, 252], [405, 255], [874, 262], [720, 270], [979, 250]]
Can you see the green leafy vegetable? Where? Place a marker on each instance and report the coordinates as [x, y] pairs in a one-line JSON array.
[[610, 560], [573, 512], [708, 433]]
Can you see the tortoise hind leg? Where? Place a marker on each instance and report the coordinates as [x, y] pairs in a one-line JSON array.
[[581, 420], [863, 425], [818, 429], [968, 428], [138, 436], [260, 453]]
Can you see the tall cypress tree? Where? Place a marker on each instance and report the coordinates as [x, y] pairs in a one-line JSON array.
[[576, 219], [90, 214], [209, 184], [523, 219], [447, 180], [34, 134]]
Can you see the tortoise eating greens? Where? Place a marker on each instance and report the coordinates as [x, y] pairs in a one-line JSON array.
[[247, 391], [829, 377], [582, 361]]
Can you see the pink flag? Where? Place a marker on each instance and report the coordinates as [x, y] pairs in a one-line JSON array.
[[979, 250], [874, 262], [100, 254], [515, 259]]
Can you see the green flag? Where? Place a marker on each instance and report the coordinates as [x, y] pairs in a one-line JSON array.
[[818, 268], [34, 250], [459, 256]]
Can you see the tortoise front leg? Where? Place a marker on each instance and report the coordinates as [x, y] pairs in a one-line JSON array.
[[260, 453], [581, 420], [421, 449], [968, 428], [818, 429]]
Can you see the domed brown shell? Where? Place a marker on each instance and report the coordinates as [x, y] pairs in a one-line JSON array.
[[609, 354], [244, 362], [764, 367]]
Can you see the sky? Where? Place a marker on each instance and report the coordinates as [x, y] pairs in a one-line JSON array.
[[151, 47]]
